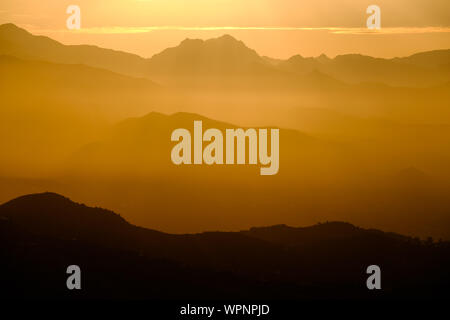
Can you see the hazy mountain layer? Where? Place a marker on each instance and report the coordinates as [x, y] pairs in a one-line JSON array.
[[74, 121], [197, 62]]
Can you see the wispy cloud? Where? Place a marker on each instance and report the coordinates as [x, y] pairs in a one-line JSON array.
[[335, 30]]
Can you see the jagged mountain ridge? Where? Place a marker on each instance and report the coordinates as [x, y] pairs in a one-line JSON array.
[[225, 56]]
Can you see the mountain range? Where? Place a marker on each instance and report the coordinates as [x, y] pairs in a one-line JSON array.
[[226, 56], [363, 139], [41, 234]]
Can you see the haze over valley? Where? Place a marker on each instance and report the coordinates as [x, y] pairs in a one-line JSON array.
[[362, 139]]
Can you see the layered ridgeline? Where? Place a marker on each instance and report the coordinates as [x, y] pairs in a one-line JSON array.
[[18, 42], [132, 171], [195, 58], [225, 73], [95, 124], [42, 234], [48, 109], [129, 169]]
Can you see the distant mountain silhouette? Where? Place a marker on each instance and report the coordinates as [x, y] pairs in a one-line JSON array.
[[224, 65], [18, 42], [226, 56], [430, 59], [59, 126], [223, 55], [135, 145], [329, 231], [424, 69], [134, 159], [55, 215], [41, 234], [223, 62], [77, 101]]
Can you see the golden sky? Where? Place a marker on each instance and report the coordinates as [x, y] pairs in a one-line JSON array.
[[277, 28]]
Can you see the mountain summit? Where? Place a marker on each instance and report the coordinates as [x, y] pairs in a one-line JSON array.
[[52, 214], [223, 55]]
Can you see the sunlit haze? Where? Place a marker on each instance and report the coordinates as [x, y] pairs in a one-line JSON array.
[[274, 28]]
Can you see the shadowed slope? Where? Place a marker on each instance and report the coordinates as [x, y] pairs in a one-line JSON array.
[[40, 99], [52, 214], [142, 145], [50, 232], [22, 44]]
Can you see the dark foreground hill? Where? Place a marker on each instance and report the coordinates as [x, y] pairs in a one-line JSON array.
[[42, 234]]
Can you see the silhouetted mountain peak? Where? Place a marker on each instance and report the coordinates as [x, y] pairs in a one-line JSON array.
[[10, 30], [191, 42], [52, 213], [11, 27], [299, 58], [155, 123], [213, 56], [227, 37], [190, 117], [224, 42], [199, 44], [354, 57], [20, 43], [19, 36], [323, 58], [38, 200]]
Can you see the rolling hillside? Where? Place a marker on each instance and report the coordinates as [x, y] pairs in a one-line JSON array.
[[328, 260]]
